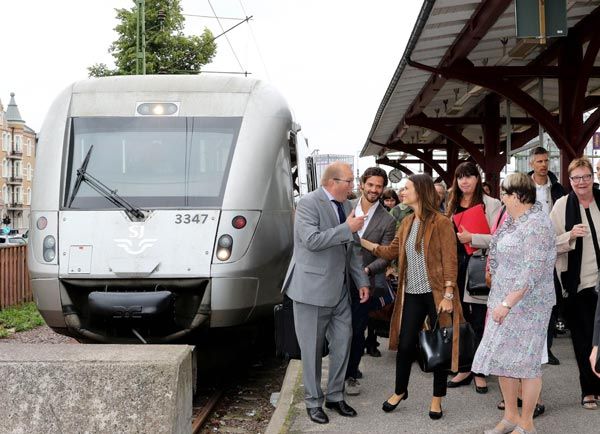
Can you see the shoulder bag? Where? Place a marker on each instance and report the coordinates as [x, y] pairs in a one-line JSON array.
[[476, 282]]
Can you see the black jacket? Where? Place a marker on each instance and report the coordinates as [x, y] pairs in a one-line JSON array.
[[556, 189]]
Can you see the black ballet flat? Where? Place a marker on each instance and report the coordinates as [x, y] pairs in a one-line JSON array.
[[387, 406], [481, 389], [464, 382], [435, 415]]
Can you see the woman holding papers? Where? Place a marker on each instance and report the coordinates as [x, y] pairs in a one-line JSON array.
[[425, 248], [473, 213], [522, 257]]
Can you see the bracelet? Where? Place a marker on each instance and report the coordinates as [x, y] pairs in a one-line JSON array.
[[449, 295], [506, 305]]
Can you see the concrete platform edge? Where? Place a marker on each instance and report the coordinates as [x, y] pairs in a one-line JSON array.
[[277, 424]]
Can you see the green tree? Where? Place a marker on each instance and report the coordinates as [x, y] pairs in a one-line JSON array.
[[168, 50]]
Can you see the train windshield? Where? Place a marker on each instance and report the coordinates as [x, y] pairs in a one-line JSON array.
[[152, 161]]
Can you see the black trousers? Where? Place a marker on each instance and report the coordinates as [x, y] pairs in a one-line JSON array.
[[416, 308], [580, 310], [474, 313], [360, 319]]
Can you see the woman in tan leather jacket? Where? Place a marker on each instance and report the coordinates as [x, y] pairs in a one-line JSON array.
[[425, 246]]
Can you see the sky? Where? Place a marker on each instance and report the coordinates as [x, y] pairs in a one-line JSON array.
[[331, 59]]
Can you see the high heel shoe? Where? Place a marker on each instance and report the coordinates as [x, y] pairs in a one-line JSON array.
[[388, 406], [464, 382], [435, 415]]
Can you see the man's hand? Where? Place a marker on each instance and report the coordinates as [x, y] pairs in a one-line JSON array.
[[355, 223], [363, 293]]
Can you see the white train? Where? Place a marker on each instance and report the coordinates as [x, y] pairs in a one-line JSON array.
[[162, 205]]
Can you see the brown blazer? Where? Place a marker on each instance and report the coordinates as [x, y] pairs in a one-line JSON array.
[[439, 242]]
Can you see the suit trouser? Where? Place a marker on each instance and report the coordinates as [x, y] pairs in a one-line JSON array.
[[360, 319], [416, 308], [313, 324], [580, 309]]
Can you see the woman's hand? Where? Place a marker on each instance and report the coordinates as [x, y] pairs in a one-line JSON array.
[[593, 358], [579, 230], [464, 236], [368, 244], [445, 306], [499, 313]]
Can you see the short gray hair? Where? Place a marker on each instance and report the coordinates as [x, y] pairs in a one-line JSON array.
[[521, 185]]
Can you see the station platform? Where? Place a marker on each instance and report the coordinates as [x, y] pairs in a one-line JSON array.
[[465, 411]]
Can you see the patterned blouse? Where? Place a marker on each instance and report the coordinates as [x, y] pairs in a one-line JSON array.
[[417, 281]]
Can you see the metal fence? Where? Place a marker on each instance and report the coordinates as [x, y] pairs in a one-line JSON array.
[[15, 287]]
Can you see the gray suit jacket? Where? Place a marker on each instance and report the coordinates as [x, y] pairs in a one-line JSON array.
[[381, 230], [325, 253]]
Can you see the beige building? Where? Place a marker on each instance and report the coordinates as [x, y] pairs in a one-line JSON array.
[[17, 156]]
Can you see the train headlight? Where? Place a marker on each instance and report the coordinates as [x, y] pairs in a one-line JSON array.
[[224, 247], [49, 246], [41, 223], [157, 109]]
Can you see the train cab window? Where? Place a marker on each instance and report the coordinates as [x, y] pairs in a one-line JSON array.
[[152, 162]]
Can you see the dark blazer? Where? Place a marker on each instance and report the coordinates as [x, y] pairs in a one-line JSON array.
[[381, 230]]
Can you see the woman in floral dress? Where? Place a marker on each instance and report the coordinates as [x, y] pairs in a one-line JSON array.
[[522, 257]]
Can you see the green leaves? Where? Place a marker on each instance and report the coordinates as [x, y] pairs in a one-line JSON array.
[[168, 50]]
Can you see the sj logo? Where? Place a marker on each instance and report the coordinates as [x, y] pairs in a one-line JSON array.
[[136, 243]]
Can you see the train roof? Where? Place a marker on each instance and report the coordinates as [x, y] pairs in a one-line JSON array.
[[167, 83]]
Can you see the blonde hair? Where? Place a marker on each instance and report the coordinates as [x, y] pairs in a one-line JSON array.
[[580, 162], [521, 185]]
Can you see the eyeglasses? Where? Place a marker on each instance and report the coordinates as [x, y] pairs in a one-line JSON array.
[[578, 179], [349, 181]]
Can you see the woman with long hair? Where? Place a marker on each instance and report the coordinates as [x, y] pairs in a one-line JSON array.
[[425, 247], [467, 192]]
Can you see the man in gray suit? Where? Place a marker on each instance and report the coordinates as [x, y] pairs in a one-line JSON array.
[[326, 256], [380, 228]]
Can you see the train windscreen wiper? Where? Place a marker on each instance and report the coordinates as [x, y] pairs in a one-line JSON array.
[[133, 212]]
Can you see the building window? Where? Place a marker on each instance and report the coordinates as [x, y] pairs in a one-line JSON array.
[[17, 170], [5, 141], [18, 144], [5, 172], [5, 197], [29, 172], [28, 198], [18, 194]]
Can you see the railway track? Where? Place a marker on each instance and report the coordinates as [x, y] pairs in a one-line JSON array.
[[201, 413]]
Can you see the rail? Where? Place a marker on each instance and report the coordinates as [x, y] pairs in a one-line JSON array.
[[15, 287]]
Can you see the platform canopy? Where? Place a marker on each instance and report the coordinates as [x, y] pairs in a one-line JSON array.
[[465, 80]]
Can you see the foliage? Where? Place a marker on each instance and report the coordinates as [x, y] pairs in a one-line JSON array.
[[168, 50], [19, 318]]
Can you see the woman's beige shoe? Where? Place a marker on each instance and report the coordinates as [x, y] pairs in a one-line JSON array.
[[504, 427]]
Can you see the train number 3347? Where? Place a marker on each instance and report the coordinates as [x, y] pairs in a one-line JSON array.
[[186, 219]]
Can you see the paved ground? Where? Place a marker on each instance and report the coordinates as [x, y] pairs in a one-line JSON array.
[[464, 410]]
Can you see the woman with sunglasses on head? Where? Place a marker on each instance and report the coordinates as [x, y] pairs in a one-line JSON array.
[[576, 219], [426, 251], [467, 192]]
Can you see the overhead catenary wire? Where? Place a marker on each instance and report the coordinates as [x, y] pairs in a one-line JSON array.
[[262, 61], [228, 41]]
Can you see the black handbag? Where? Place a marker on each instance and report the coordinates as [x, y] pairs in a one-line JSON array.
[[476, 284], [435, 347]]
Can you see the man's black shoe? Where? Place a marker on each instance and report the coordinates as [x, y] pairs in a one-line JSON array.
[[317, 415], [342, 408], [359, 374], [552, 360], [373, 352]]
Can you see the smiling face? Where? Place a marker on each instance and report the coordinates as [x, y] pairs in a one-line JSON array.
[[372, 189], [409, 195], [467, 184], [582, 181]]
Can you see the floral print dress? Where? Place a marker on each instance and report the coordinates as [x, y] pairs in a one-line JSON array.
[[522, 256]]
